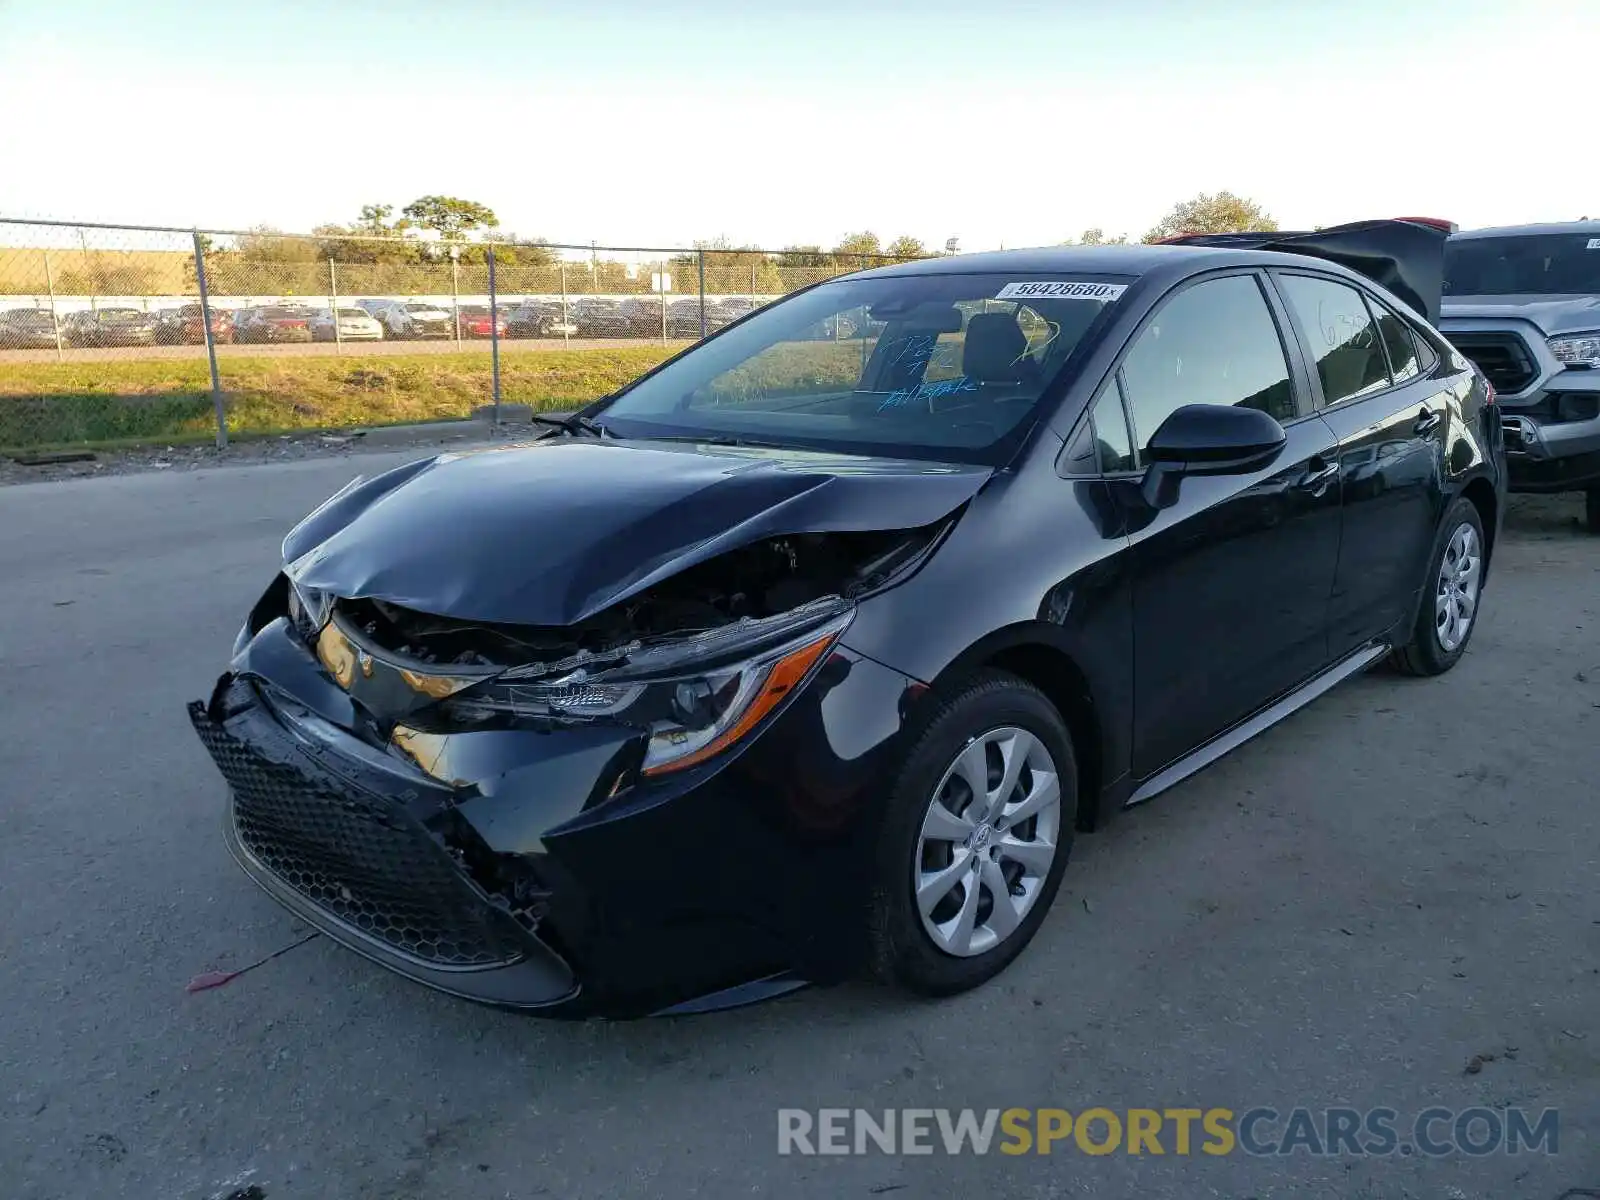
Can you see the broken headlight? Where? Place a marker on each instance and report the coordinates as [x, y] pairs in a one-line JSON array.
[[696, 697], [309, 607]]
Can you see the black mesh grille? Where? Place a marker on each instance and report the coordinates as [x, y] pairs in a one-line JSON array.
[[359, 859], [1502, 357]]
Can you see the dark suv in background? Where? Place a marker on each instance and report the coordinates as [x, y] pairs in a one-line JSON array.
[[1523, 303]]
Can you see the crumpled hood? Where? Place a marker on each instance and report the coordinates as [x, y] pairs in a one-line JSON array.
[[552, 532], [1552, 315]]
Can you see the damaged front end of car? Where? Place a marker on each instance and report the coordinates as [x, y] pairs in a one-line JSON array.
[[521, 814]]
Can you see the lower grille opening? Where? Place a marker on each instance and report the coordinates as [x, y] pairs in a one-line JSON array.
[[360, 860]]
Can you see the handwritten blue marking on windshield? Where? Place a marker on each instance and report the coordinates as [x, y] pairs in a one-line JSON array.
[[916, 350], [928, 392]]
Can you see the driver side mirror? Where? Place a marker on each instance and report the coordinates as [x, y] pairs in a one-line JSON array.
[[1208, 439]]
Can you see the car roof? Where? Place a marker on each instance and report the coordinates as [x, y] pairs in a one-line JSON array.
[[1134, 259], [1589, 227]]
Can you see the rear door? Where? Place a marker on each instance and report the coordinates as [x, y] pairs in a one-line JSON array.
[[1389, 415], [1231, 582]]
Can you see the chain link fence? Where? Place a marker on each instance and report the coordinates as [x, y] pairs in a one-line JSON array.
[[123, 334]]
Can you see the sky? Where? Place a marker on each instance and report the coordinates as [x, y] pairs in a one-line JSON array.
[[775, 122]]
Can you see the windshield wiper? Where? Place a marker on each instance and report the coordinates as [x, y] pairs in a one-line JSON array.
[[574, 424], [707, 439]]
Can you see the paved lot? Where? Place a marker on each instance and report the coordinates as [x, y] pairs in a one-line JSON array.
[[1401, 877]]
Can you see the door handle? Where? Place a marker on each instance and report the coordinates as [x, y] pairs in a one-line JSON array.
[[1427, 421], [1317, 479]]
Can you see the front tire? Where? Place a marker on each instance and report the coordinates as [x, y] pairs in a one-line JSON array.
[[1449, 611], [975, 838]]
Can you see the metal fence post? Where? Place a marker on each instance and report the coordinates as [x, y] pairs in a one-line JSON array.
[[455, 293], [55, 321], [333, 306], [211, 342], [752, 284], [494, 338], [566, 325], [701, 255], [661, 281]]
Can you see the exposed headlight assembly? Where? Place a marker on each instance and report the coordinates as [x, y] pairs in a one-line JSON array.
[[309, 608], [1577, 349], [697, 696]]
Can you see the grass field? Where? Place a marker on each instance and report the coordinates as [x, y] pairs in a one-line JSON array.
[[87, 404]]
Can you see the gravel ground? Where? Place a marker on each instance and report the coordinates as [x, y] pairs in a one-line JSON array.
[[1393, 898]]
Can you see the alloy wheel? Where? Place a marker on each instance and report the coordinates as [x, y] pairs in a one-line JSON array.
[[988, 839], [1455, 604]]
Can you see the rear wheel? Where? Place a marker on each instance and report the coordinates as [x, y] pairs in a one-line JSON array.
[[1591, 509], [975, 839], [1449, 611]]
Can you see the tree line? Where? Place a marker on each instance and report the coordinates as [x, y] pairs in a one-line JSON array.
[[438, 240]]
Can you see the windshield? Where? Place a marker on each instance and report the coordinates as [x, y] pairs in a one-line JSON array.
[[1545, 264], [919, 366], [424, 308], [352, 314]]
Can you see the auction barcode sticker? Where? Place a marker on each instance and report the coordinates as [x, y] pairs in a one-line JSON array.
[[1057, 289]]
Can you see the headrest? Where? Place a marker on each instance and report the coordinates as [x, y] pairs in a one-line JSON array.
[[994, 344]]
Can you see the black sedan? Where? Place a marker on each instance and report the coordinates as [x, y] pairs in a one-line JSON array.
[[27, 329], [109, 327], [796, 659]]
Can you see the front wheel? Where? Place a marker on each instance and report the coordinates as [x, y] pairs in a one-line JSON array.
[[1449, 611], [975, 839]]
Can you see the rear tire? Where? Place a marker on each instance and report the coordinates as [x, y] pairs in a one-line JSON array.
[[1591, 509], [1451, 597], [998, 727]]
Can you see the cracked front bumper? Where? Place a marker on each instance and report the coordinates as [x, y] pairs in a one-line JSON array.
[[347, 847], [502, 866]]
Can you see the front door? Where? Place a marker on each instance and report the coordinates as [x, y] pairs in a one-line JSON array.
[[1231, 582]]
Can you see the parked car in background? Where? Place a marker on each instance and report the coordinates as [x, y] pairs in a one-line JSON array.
[[404, 319], [727, 310], [1523, 303], [110, 327], [185, 325], [276, 323], [683, 317], [826, 658], [476, 321], [355, 325], [643, 316], [598, 316], [27, 329], [540, 319]]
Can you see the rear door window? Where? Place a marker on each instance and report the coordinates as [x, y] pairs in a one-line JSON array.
[[1398, 341], [1342, 336]]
